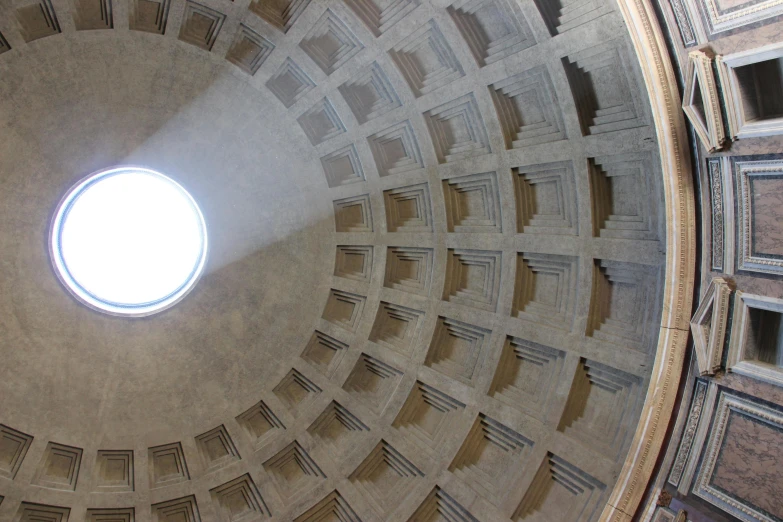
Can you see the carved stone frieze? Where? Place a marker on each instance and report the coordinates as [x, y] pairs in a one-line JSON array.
[[689, 434], [715, 173], [684, 23]]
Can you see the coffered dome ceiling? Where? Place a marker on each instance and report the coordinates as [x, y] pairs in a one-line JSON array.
[[438, 248]]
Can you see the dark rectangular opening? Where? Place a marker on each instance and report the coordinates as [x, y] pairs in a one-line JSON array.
[[765, 337], [761, 89]]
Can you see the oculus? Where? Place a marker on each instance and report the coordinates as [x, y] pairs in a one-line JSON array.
[[128, 241]]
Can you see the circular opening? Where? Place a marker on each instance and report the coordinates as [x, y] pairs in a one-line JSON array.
[[128, 241]]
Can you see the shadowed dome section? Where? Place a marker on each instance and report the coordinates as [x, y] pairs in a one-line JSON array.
[[128, 241]]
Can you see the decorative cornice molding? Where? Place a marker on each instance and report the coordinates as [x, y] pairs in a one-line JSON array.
[[683, 18], [688, 436], [660, 81], [715, 179]]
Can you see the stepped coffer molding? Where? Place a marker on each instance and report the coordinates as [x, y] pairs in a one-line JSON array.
[[386, 476], [440, 506], [370, 94], [59, 467], [36, 19], [332, 507], [473, 203], [249, 50], [372, 382], [29, 512], [167, 465], [324, 352], [354, 262], [409, 269], [259, 422], [93, 14], [396, 327], [201, 25], [343, 167], [290, 83], [239, 499], [150, 15], [282, 14], [396, 150], [330, 43], [560, 491], [337, 427], [563, 15], [493, 29], [296, 391], [13, 449], [528, 109], [428, 415], [378, 15], [619, 211], [216, 448], [491, 458], [546, 199], [293, 471], [114, 471], [604, 88], [426, 60], [183, 509]]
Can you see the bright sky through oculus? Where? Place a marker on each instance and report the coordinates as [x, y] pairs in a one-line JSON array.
[[129, 241]]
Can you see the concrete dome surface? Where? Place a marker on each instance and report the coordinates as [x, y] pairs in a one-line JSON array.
[[450, 260]]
